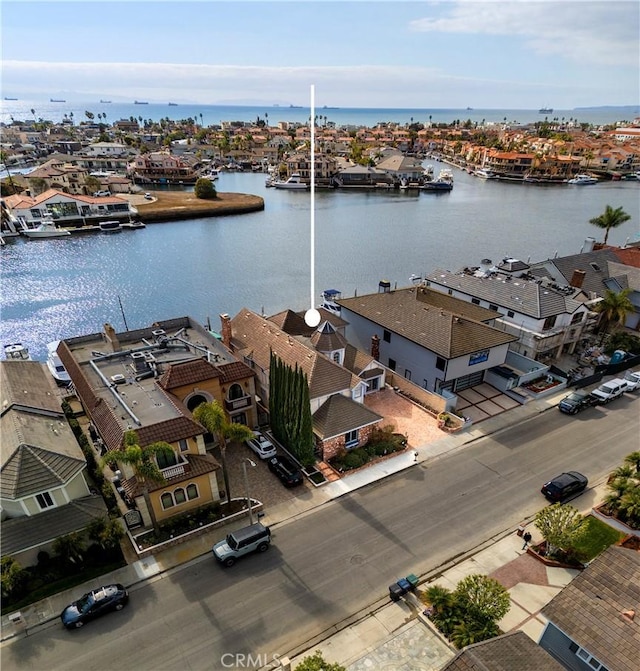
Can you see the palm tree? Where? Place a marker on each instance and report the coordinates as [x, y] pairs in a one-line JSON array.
[[634, 460], [142, 460], [629, 506], [614, 308], [212, 417], [610, 218], [33, 112]]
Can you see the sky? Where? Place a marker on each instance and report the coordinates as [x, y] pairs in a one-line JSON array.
[[515, 54]]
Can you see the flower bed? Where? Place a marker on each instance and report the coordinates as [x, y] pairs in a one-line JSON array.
[[382, 443]]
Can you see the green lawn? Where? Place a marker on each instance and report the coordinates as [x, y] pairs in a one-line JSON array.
[[597, 537]]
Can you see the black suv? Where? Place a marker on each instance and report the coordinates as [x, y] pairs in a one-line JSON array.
[[564, 485], [286, 470], [575, 402]]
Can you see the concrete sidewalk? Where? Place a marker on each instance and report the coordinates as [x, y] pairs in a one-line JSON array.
[[48, 610]]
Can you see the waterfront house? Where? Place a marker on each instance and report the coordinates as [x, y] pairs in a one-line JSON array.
[[161, 166], [60, 175], [149, 380], [336, 393], [66, 209], [545, 317], [44, 492], [593, 623], [436, 345], [300, 163]]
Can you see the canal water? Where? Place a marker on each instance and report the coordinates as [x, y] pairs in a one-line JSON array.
[[203, 267]]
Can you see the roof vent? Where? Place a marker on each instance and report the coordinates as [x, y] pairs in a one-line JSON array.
[[628, 614]]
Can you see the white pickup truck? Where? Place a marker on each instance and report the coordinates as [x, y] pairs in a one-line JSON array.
[[607, 391]]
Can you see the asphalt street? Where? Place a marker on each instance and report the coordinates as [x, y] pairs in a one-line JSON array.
[[336, 562]]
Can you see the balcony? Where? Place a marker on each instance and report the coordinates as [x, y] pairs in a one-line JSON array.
[[231, 405], [173, 471]]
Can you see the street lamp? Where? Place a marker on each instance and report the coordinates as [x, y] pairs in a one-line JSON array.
[[246, 484]]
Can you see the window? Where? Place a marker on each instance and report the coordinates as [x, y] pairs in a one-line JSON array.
[[587, 657], [475, 301], [179, 496], [549, 323], [184, 445], [407, 374], [386, 336], [577, 318], [441, 364], [493, 306], [450, 292], [351, 438], [235, 392], [336, 357], [478, 357], [44, 500], [166, 460], [192, 492], [392, 364], [510, 313], [167, 501]]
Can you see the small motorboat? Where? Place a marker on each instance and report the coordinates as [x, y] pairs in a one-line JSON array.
[[583, 180], [16, 352], [294, 183], [110, 226]]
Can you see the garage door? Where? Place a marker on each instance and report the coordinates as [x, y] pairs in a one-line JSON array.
[[469, 381]]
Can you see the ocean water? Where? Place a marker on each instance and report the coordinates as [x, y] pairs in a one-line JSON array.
[[204, 267], [215, 114]]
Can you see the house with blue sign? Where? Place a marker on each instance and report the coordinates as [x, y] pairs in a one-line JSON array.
[[435, 340]]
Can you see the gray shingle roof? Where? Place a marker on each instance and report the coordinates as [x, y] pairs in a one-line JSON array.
[[510, 652], [339, 414], [22, 533], [523, 296], [589, 609], [442, 332]]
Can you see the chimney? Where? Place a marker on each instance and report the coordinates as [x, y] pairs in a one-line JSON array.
[[226, 330], [111, 337], [629, 615], [375, 347], [577, 278], [588, 245]]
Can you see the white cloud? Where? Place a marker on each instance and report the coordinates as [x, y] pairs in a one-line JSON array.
[[604, 33]]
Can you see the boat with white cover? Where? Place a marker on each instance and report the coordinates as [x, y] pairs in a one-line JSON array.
[[583, 180], [294, 183]]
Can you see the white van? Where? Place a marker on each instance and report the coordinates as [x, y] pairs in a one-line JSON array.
[[607, 391]]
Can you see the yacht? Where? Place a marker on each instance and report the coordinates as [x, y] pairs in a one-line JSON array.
[[545, 110], [444, 182], [485, 173], [46, 229], [583, 180], [293, 183], [55, 366], [329, 301]]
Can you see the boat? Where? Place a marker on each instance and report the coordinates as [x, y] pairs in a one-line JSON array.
[[105, 102], [294, 183], [583, 180], [173, 104], [485, 173], [46, 229], [329, 298], [110, 226], [57, 100], [443, 182], [7, 98], [55, 366], [140, 102], [16, 352], [545, 110]]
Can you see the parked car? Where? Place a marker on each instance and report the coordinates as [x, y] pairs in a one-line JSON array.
[[253, 538], [575, 402], [93, 604], [632, 378], [288, 473], [610, 390], [99, 194], [564, 485], [262, 446]]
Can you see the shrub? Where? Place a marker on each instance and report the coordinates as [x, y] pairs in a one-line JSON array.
[[205, 190], [353, 460]]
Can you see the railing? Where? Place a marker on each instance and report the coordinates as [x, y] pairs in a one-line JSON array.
[[173, 471], [237, 403]]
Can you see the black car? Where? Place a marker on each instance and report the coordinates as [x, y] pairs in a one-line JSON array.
[[93, 604], [286, 470], [575, 402], [564, 485]]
